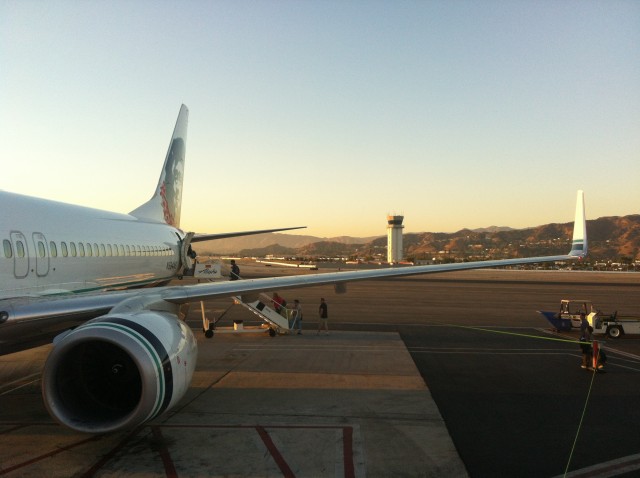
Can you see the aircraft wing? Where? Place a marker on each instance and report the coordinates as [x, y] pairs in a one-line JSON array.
[[199, 292], [226, 235]]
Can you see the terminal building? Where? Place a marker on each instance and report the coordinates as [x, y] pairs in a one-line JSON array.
[[394, 239]]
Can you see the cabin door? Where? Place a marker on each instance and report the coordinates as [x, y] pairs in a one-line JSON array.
[[41, 253], [20, 255]]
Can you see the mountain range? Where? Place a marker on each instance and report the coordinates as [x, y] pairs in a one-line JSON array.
[[610, 238]]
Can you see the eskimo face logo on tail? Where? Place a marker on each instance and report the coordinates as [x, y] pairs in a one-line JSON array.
[[171, 187]]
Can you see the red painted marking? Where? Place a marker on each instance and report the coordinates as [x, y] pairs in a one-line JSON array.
[[49, 455], [347, 451], [605, 470], [169, 467], [14, 428], [347, 437], [277, 457], [105, 459]]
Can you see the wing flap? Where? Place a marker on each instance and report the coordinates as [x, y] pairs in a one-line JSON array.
[[226, 235]]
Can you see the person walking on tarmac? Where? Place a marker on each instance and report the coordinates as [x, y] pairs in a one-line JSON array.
[[235, 271], [324, 317], [297, 316]]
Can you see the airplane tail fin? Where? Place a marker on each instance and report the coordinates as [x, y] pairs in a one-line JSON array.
[[164, 205], [579, 243]]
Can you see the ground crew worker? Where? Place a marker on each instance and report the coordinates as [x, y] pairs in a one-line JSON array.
[[585, 344]]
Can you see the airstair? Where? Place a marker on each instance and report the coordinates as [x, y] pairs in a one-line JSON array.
[[278, 322]]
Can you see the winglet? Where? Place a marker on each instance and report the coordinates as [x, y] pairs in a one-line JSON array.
[[164, 206], [579, 243]]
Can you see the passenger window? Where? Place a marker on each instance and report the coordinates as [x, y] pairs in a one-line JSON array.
[[53, 249], [74, 251], [128, 250], [81, 249], [110, 250], [20, 252], [65, 251], [138, 251], [8, 250], [121, 249], [96, 251], [103, 252]]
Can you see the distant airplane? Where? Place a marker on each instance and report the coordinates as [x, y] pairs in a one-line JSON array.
[[123, 354]]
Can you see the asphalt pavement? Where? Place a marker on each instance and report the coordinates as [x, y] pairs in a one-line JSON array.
[[462, 359]]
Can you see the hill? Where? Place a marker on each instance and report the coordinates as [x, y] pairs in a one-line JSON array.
[[610, 239], [268, 241]]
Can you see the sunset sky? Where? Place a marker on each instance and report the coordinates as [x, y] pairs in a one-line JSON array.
[[329, 114]]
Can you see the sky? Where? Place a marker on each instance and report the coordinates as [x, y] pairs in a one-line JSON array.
[[329, 114]]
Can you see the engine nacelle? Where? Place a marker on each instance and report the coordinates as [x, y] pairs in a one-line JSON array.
[[119, 371]]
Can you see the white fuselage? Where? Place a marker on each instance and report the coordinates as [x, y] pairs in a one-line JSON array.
[[50, 247]]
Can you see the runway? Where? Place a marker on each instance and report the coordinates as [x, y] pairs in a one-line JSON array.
[[407, 384]]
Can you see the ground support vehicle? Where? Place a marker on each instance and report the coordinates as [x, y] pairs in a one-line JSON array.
[[615, 326], [569, 317]]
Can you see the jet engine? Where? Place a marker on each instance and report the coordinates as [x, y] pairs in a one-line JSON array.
[[119, 371]]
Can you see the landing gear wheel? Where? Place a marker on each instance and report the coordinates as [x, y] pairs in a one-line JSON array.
[[208, 333], [615, 331], [272, 333]]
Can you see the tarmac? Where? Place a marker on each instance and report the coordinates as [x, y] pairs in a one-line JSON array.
[[347, 404], [355, 403]]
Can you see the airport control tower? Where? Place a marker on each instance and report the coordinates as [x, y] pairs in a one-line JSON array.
[[394, 238]]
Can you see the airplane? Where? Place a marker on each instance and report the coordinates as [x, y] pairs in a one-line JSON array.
[[97, 283]]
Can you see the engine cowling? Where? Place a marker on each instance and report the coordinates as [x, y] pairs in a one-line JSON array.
[[119, 371]]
